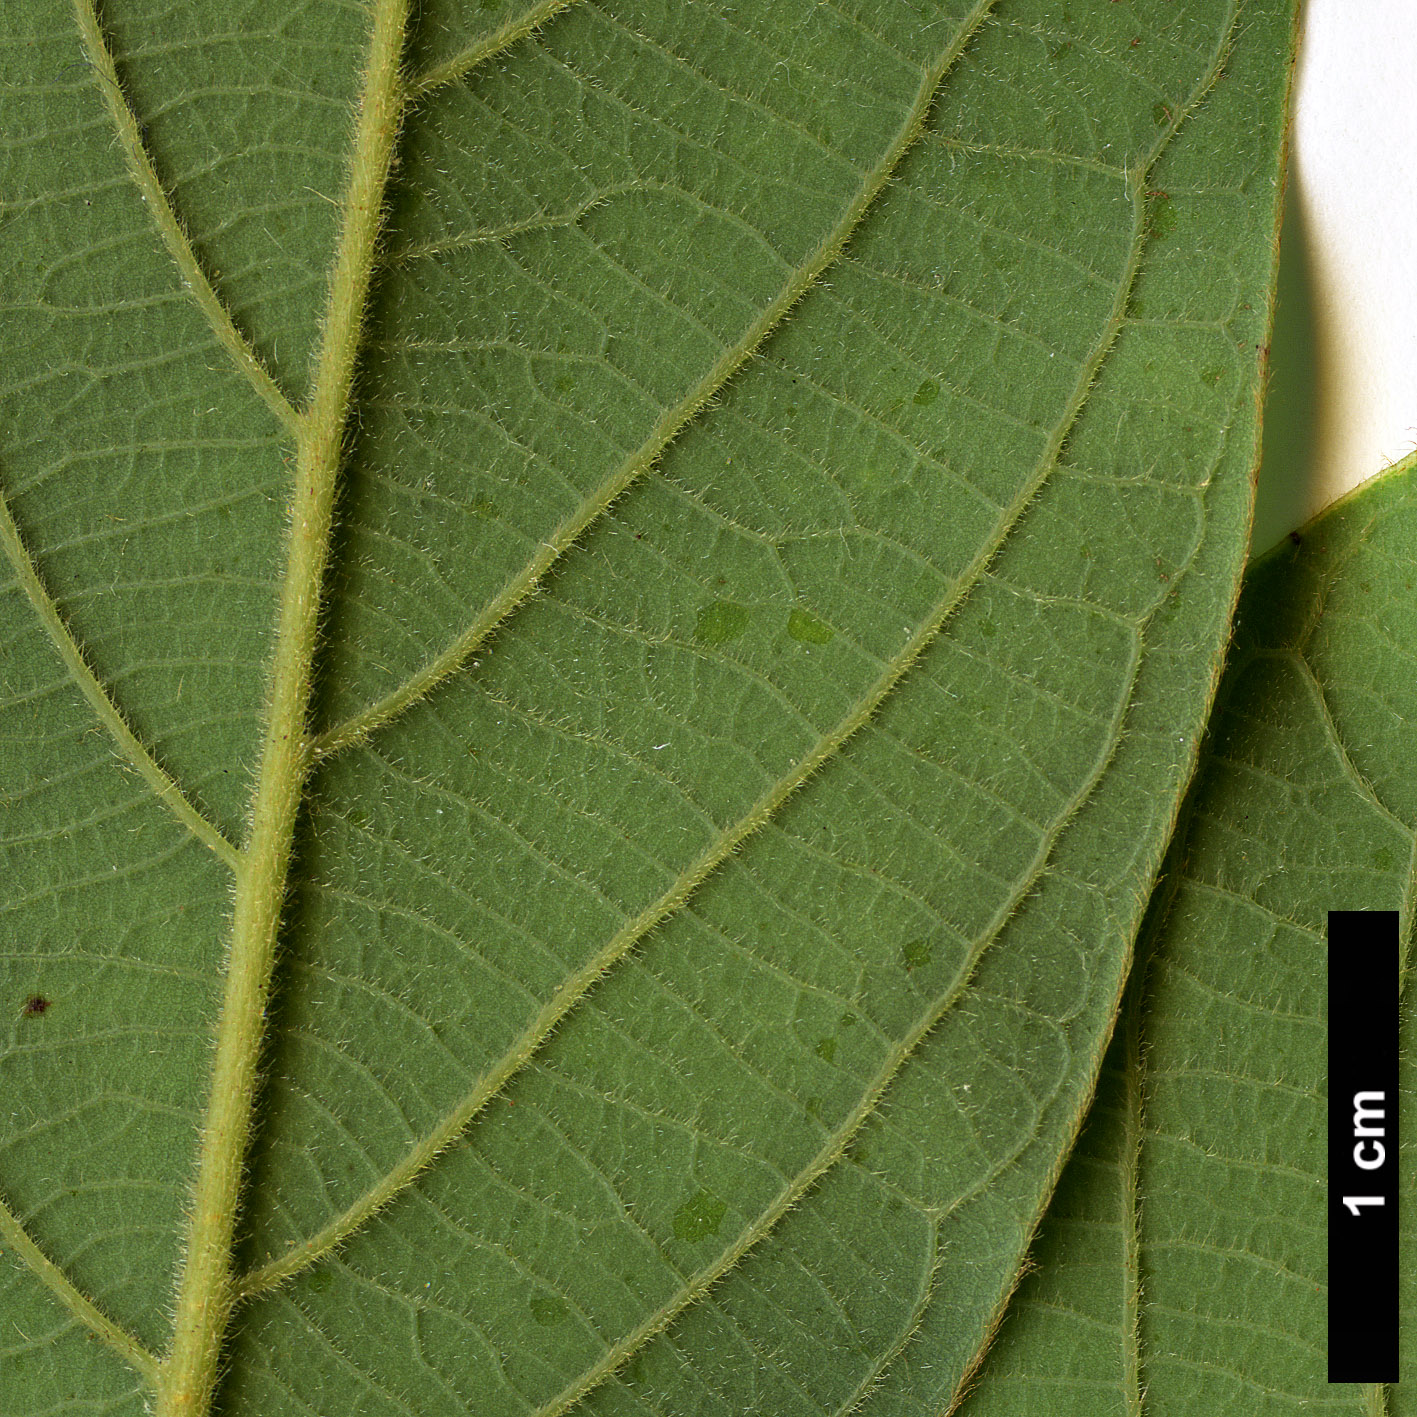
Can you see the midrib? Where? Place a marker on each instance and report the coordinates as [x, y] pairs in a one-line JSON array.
[[673, 421], [205, 1289], [208, 1289], [765, 809]]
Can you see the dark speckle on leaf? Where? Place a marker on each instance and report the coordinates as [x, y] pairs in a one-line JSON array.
[[35, 1005]]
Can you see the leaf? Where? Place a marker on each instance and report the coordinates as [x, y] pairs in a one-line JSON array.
[[1185, 1254], [598, 661]]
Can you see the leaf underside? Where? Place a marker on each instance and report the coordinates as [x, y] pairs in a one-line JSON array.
[[795, 489], [1185, 1253]]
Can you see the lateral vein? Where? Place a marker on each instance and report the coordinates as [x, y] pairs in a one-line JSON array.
[[573, 989], [80, 1305], [503, 37], [579, 984], [768, 806], [670, 424], [1128, 1005], [157, 778], [169, 224]]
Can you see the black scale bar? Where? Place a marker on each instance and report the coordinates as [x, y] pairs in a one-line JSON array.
[[1362, 1146]]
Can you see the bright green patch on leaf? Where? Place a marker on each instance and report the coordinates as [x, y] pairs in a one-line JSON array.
[[1163, 214], [720, 622], [699, 1217], [548, 1310], [916, 954], [807, 629]]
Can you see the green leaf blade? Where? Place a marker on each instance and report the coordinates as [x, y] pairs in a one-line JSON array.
[[744, 904], [1302, 806], [145, 478], [247, 123]]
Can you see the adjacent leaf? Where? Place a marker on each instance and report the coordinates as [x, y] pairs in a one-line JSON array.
[[598, 662], [1182, 1265]]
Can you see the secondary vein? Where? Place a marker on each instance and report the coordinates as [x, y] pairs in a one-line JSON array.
[[670, 424], [579, 984], [574, 988], [174, 235], [505, 35], [164, 788], [80, 1305]]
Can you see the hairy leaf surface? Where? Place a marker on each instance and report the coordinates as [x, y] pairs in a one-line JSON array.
[[608, 608], [1183, 1261]]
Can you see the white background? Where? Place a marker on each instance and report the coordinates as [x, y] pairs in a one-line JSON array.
[[1344, 357]]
